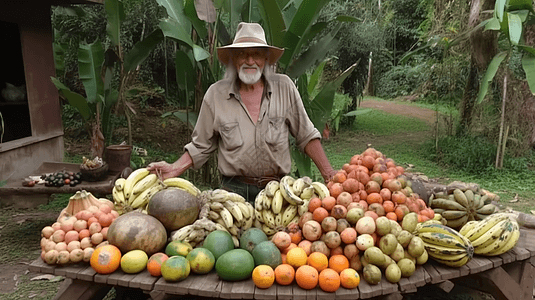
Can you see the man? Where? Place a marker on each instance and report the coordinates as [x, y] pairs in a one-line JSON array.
[[247, 116]]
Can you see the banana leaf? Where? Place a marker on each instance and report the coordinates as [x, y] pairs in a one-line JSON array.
[[489, 74], [191, 14], [274, 24], [528, 63], [115, 16], [142, 50], [175, 11], [90, 60], [515, 28], [75, 100]]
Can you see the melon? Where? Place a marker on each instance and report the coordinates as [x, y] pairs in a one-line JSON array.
[[218, 242], [252, 237], [235, 265], [266, 253], [137, 231], [175, 208]]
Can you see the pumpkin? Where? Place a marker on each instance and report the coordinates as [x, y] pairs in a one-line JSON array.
[[83, 200], [175, 208], [137, 231], [106, 259]]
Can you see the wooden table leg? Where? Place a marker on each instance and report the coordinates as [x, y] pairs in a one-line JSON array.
[[81, 290], [515, 281]]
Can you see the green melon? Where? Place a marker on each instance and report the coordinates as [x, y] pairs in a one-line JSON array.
[[175, 268], [266, 253], [252, 237], [234, 265], [218, 242]]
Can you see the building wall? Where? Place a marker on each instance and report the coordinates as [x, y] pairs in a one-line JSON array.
[[20, 157]]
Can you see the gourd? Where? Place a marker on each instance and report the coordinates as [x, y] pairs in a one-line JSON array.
[[83, 200]]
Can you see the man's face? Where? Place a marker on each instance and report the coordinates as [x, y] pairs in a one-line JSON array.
[[249, 64]]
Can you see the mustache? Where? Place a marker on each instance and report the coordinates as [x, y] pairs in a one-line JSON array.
[[243, 66]]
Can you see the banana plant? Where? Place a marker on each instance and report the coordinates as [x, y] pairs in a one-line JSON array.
[[509, 19]]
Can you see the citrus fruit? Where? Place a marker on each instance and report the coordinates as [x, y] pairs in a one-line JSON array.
[[154, 265], [175, 268], [306, 277], [296, 257], [338, 263], [106, 259], [201, 260], [178, 248], [349, 278], [263, 276], [134, 261], [329, 280], [318, 260], [284, 274]]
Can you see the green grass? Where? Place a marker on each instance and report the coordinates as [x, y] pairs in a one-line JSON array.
[[382, 124]]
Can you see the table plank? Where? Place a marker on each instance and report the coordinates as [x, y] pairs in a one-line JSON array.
[[343, 293], [521, 253], [432, 272], [226, 289], [74, 269], [101, 278], [88, 274], [387, 287], [312, 294], [213, 286], [143, 281], [125, 279], [496, 261], [244, 289], [298, 293], [198, 284], [269, 293], [405, 286], [479, 264], [39, 266], [175, 288], [113, 278], [527, 240], [365, 289], [284, 292], [418, 277], [508, 257], [322, 295]]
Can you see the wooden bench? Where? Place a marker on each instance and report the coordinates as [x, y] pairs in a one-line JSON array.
[[508, 276]]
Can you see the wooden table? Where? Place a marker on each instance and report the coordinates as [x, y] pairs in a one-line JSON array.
[[509, 276], [14, 192]]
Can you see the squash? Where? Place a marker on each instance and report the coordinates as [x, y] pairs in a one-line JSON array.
[[137, 231], [175, 208], [83, 200]]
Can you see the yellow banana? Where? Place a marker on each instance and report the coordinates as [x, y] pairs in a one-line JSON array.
[[119, 184], [484, 225], [244, 209], [287, 193], [234, 209], [510, 244], [457, 223], [219, 195], [303, 208], [132, 179], [321, 189], [298, 186], [308, 193], [278, 219], [268, 230], [271, 188], [269, 218], [441, 239], [446, 204], [453, 263], [259, 216], [237, 198], [460, 197], [467, 227], [276, 203], [289, 213], [183, 184], [118, 196], [227, 217], [491, 235], [216, 206], [145, 196], [453, 214], [487, 209], [144, 183]]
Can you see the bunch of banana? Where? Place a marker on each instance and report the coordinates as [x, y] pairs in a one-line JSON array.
[[494, 235], [445, 245], [281, 203], [195, 233], [229, 211], [461, 207], [135, 192]]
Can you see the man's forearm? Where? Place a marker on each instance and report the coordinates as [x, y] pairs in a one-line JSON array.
[[315, 151], [182, 164]]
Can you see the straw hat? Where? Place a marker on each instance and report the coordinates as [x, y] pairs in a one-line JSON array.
[[249, 35]]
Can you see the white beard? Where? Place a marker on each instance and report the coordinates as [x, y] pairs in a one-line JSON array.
[[250, 78]]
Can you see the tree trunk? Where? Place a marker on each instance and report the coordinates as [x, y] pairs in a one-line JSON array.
[[483, 48], [369, 83], [529, 109]]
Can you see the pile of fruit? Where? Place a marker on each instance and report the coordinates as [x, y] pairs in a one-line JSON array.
[[365, 223], [62, 178], [81, 227], [91, 164]]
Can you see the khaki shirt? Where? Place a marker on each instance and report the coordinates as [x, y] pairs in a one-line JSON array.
[[245, 148]]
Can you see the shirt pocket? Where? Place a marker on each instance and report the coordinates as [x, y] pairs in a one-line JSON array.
[[231, 136], [277, 132]]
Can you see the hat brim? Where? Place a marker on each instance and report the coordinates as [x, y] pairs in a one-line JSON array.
[[224, 53]]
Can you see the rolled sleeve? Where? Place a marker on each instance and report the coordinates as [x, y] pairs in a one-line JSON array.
[[203, 139]]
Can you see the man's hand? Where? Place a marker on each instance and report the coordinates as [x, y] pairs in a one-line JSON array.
[[329, 175], [163, 169]]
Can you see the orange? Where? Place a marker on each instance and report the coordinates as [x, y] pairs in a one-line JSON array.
[[319, 214], [349, 278], [263, 276], [329, 280], [313, 204], [392, 216], [318, 260], [296, 257], [328, 202], [154, 265], [306, 277], [285, 250], [106, 259], [284, 274], [338, 263]]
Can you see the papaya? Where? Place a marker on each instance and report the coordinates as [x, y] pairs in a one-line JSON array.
[[235, 265], [266, 253]]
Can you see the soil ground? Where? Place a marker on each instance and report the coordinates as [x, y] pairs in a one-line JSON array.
[[148, 129]]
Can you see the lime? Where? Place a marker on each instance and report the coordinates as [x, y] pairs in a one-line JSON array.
[[134, 261]]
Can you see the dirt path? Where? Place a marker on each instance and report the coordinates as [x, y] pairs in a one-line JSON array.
[[407, 110]]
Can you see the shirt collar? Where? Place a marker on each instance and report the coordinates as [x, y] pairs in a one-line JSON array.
[[234, 88]]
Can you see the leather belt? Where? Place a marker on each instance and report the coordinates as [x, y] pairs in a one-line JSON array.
[[258, 181]]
